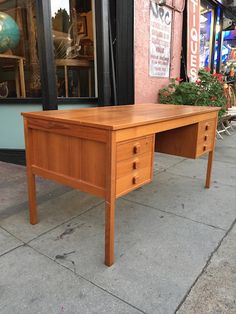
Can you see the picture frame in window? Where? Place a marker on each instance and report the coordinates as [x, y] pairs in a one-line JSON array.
[[82, 25]]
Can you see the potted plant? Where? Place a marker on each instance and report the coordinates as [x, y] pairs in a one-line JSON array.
[[207, 90]]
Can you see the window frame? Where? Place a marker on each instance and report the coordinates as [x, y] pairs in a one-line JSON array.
[[49, 99]]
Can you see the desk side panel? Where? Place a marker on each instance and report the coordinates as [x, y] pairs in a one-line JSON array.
[[74, 161]]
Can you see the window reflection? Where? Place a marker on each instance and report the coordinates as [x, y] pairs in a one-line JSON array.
[[19, 62], [73, 39], [206, 20]]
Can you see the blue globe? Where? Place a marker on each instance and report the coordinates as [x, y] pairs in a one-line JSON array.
[[9, 32]]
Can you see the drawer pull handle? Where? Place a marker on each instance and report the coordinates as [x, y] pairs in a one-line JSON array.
[[135, 180], [204, 147], [136, 149], [136, 164], [207, 127], [205, 138]]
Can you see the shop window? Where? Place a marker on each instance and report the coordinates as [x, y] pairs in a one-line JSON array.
[[19, 62], [228, 51], [206, 32], [73, 30]]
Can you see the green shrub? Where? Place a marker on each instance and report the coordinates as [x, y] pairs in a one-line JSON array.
[[207, 90]]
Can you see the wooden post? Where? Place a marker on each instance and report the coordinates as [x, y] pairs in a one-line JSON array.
[[90, 81], [22, 77], [66, 80], [18, 88]]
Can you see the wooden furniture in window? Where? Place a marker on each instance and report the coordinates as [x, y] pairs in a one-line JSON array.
[[17, 62], [108, 151], [75, 63]]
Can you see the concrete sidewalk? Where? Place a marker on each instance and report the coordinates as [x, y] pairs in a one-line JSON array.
[[175, 243]]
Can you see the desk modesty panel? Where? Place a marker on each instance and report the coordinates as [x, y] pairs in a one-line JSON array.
[[109, 151]]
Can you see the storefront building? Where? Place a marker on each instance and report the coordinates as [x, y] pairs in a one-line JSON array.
[[65, 54], [216, 37]]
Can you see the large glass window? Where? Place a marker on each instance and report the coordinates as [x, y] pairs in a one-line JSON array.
[[228, 54], [74, 47], [206, 30], [19, 62]]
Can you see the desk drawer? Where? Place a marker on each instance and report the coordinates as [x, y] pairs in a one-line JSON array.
[[133, 180], [207, 126], [134, 164], [206, 136], [126, 150]]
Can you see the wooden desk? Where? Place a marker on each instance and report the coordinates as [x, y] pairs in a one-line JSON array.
[[19, 74], [109, 151]]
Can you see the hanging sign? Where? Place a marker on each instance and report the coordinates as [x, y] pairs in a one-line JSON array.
[[193, 38], [160, 40]]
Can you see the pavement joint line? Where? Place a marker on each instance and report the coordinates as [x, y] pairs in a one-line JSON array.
[[53, 228], [84, 278], [65, 222], [177, 215], [205, 267], [228, 162], [171, 166], [11, 250], [40, 199], [12, 234], [11, 182], [198, 178], [27, 244], [171, 213]]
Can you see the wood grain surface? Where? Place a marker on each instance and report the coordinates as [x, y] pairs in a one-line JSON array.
[[120, 117]]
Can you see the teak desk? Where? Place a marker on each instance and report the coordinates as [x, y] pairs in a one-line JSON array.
[[108, 151]]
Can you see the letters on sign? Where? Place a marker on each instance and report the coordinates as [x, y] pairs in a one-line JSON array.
[[160, 40], [193, 38]]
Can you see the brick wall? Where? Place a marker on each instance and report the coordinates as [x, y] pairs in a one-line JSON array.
[[146, 87]]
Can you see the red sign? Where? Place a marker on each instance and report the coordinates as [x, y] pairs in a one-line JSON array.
[[193, 38]]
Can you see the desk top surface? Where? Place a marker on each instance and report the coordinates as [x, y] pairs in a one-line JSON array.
[[121, 117]]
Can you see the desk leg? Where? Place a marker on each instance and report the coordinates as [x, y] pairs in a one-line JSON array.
[[30, 175], [32, 198], [110, 200], [109, 231], [209, 169]]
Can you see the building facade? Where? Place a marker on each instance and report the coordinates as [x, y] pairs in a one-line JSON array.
[[216, 36], [73, 53]]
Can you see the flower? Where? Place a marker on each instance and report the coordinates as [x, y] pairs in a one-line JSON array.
[[198, 81], [178, 79]]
